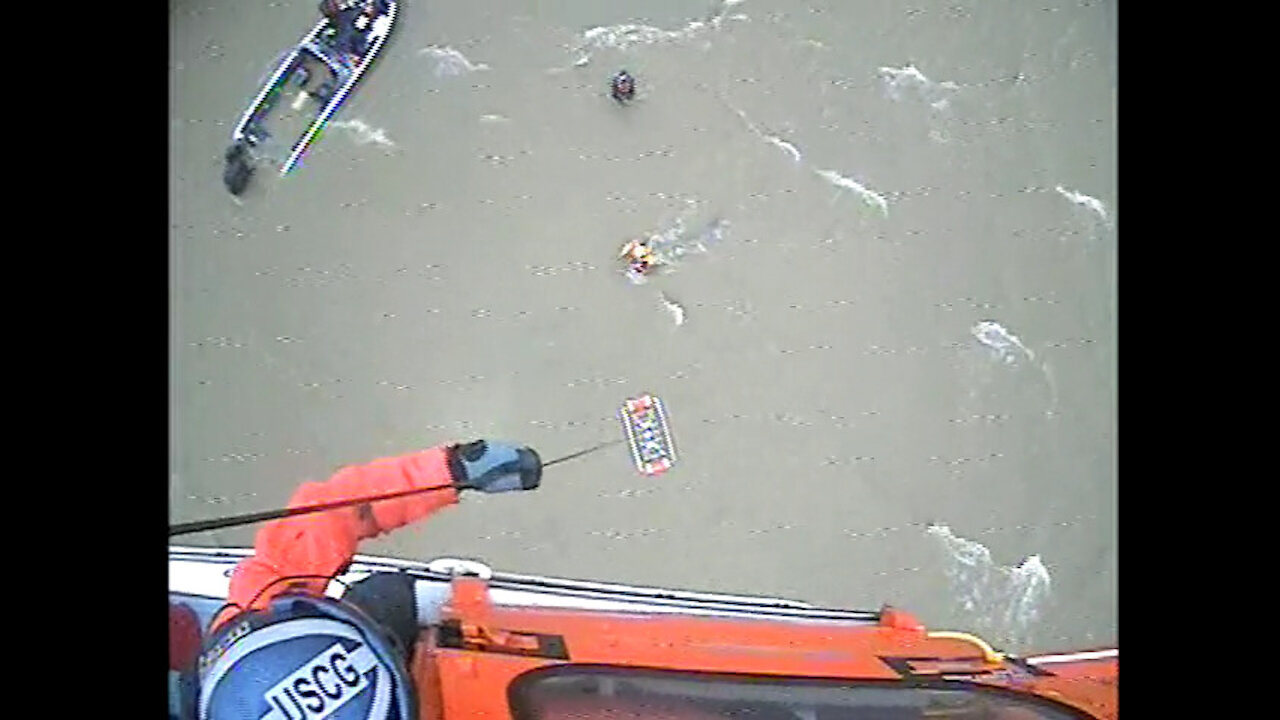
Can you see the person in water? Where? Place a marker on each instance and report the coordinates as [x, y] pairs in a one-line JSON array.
[[239, 169], [280, 648], [623, 87], [639, 256]]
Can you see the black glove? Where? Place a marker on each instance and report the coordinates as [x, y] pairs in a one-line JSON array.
[[494, 467]]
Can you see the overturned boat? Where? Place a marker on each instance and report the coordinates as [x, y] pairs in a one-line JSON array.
[[502, 645], [307, 87]]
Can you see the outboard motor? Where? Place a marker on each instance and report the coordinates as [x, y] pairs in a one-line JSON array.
[[239, 168], [623, 87]]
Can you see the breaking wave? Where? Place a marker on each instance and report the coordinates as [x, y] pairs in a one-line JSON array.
[[1005, 345], [785, 146], [363, 133], [1007, 348], [904, 81], [674, 308], [627, 35], [1092, 204], [450, 61], [868, 196], [909, 83], [774, 140], [1003, 602]]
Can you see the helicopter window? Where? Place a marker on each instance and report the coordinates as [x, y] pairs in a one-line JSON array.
[[616, 693]]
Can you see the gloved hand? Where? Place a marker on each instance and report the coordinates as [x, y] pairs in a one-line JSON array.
[[494, 467]]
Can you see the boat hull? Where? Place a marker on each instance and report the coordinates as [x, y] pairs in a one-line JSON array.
[[346, 75]]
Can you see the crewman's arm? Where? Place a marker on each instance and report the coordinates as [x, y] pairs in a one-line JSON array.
[[305, 552]]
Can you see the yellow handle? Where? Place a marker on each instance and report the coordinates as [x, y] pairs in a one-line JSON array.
[[988, 653]]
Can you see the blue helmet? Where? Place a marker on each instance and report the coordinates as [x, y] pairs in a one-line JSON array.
[[305, 658]]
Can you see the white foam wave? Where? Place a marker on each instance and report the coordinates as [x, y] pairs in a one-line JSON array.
[[903, 80], [909, 81], [626, 35], [1053, 390], [674, 243], [1005, 344], [1091, 203], [774, 140], [675, 308], [868, 196], [904, 76], [1002, 601], [363, 133], [450, 61], [785, 146], [1007, 348], [713, 233]]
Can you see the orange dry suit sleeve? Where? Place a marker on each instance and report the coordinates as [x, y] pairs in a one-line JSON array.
[[321, 544]]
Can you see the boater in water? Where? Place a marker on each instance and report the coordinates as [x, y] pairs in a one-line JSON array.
[[639, 256], [623, 87], [239, 168]]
